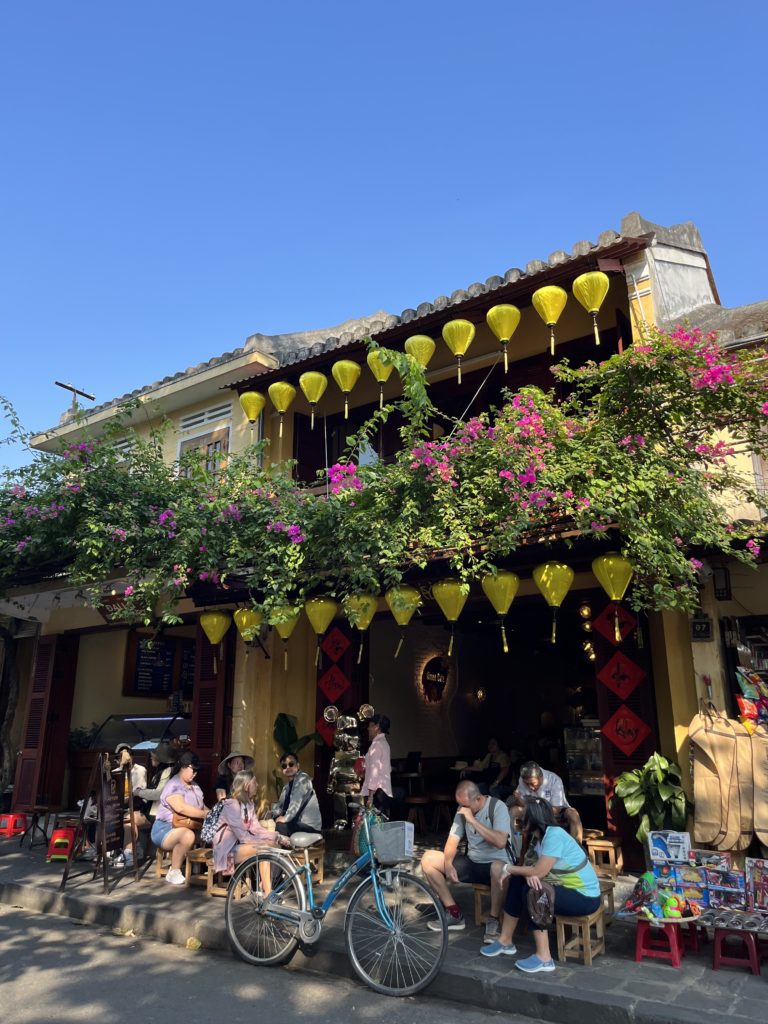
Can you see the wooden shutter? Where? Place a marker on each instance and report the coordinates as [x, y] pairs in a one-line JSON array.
[[211, 705]]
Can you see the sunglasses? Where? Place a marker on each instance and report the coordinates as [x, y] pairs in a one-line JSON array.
[[289, 764]]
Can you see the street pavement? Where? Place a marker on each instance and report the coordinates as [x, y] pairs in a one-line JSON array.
[[57, 969]]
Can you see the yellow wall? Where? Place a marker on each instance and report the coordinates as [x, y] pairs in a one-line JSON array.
[[674, 682]]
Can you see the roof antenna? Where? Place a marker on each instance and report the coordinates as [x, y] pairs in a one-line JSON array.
[[75, 392]]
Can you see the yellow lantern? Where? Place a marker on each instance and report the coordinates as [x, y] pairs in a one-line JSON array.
[[321, 611], [451, 595], [458, 336], [554, 580], [284, 619], [281, 394], [215, 626], [590, 290], [549, 302], [421, 348], [313, 384], [503, 321], [248, 622], [403, 602], [346, 373], [614, 573], [500, 589], [360, 610], [381, 372], [252, 403]]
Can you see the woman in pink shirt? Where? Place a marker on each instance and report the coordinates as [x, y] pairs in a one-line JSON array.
[[377, 785]]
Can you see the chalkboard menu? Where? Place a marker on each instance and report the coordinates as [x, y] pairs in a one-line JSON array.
[[160, 667], [112, 810]]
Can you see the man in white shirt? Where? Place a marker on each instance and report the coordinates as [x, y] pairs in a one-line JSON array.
[[537, 781]]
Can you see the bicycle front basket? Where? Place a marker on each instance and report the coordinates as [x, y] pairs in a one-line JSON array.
[[393, 841]]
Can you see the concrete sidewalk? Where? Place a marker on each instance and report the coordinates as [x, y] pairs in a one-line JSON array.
[[615, 990]]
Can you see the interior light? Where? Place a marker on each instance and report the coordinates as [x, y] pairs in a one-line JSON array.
[[585, 611]]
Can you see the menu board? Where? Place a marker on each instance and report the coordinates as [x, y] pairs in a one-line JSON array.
[[159, 667]]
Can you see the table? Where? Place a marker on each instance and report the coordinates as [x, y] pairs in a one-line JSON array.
[[37, 812]]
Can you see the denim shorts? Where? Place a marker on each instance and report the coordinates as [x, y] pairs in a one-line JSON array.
[[160, 830]]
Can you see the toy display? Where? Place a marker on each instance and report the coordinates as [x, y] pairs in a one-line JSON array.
[[668, 846], [702, 878], [757, 883], [344, 778]]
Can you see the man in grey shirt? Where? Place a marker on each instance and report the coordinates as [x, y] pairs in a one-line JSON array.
[[484, 822], [537, 781]]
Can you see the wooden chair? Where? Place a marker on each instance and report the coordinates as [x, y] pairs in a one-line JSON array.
[[416, 806], [580, 945], [162, 862]]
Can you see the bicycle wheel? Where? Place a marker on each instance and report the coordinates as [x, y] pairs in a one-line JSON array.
[[255, 930], [403, 958]]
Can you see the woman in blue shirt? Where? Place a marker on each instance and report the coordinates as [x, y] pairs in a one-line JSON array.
[[553, 856]]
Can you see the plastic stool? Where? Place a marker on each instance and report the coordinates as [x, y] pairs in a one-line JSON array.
[[664, 945], [60, 846], [749, 956], [13, 824]]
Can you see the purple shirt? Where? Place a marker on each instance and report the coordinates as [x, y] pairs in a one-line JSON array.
[[378, 767], [192, 795]]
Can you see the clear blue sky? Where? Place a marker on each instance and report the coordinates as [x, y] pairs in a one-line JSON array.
[[177, 175]]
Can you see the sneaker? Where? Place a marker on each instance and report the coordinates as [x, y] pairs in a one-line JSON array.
[[128, 858], [455, 924], [88, 854], [532, 964], [491, 930], [499, 949], [118, 861], [175, 877]]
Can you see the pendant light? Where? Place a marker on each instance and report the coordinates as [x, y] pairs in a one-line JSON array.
[[451, 596], [403, 602], [458, 336], [284, 619], [503, 320], [421, 348], [248, 622], [554, 580], [500, 589], [590, 290], [215, 626], [281, 394], [252, 403], [381, 372], [313, 384], [614, 574], [346, 373], [549, 302], [321, 611], [360, 610]]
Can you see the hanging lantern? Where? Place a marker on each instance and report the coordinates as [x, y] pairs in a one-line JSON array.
[[549, 302], [281, 394], [451, 595], [500, 589], [289, 617], [215, 626], [458, 336], [381, 372], [614, 574], [421, 347], [313, 384], [503, 321], [321, 611], [346, 373], [554, 580], [360, 610], [248, 622], [252, 403], [590, 290], [403, 602]]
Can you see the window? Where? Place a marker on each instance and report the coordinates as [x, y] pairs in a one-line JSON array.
[[195, 420], [211, 447]]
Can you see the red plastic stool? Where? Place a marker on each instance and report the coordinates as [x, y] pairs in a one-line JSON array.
[[661, 941], [60, 845], [13, 824], [749, 952], [692, 936]]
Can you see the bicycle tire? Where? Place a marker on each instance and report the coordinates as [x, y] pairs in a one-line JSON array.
[[255, 935], [403, 960]]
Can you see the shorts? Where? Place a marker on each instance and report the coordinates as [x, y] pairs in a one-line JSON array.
[[472, 871], [160, 830]]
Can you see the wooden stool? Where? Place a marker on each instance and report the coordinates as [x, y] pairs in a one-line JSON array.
[[416, 805], [606, 856], [162, 862], [443, 803], [202, 855], [606, 892], [581, 945], [480, 891], [316, 855], [659, 941], [217, 883]]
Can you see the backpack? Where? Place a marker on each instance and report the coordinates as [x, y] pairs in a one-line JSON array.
[[510, 850], [211, 822]]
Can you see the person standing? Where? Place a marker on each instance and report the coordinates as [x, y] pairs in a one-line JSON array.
[[296, 809], [376, 789]]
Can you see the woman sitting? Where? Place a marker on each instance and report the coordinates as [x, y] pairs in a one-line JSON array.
[[553, 856], [182, 796], [241, 834], [297, 809], [127, 767], [228, 769]]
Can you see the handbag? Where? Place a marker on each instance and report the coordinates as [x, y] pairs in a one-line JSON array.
[[541, 905], [183, 821]]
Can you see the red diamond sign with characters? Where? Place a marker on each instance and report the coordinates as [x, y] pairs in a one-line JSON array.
[[625, 730], [605, 622], [326, 729], [335, 644], [333, 683], [621, 675]]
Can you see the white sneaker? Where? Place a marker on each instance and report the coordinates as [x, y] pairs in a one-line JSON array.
[[175, 877]]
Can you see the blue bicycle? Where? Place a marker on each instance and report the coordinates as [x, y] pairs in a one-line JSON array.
[[395, 930]]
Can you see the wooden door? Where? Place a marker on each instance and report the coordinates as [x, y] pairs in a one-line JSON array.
[[212, 705]]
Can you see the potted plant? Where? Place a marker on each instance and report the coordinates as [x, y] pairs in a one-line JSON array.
[[653, 795], [287, 738]]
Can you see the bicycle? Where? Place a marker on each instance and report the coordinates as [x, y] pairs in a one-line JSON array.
[[271, 911]]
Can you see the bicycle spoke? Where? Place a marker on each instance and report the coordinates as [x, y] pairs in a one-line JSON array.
[[255, 930]]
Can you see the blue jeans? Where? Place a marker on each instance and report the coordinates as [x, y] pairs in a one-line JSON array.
[[568, 902]]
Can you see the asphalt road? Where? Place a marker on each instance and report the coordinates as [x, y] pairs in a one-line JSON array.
[[57, 969]]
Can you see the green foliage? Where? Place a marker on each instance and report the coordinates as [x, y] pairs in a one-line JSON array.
[[287, 738], [653, 794]]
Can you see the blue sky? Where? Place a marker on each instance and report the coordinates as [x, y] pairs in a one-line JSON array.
[[178, 175]]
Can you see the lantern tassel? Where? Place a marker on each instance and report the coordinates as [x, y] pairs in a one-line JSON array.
[[285, 655], [317, 653], [346, 406], [381, 395], [506, 359], [552, 339], [554, 625], [251, 431], [312, 418], [504, 643], [280, 431], [400, 642], [360, 650], [597, 333], [616, 626], [450, 644], [458, 358]]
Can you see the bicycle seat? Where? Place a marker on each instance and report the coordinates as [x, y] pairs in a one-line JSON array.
[[303, 840]]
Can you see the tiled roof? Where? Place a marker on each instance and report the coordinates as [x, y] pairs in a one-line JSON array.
[[734, 326]]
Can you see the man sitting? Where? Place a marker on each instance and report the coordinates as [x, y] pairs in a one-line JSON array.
[[492, 770], [537, 781], [484, 822]]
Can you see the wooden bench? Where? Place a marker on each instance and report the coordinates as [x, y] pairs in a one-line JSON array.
[[580, 945], [480, 891]]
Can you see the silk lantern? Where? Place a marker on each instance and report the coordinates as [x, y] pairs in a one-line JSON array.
[[284, 619], [248, 622], [215, 626], [421, 348], [451, 596], [503, 320], [313, 384], [614, 574], [360, 610], [500, 589], [281, 394], [381, 372], [321, 611], [252, 403], [346, 373], [554, 580], [549, 302], [458, 336], [590, 290], [403, 602]]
